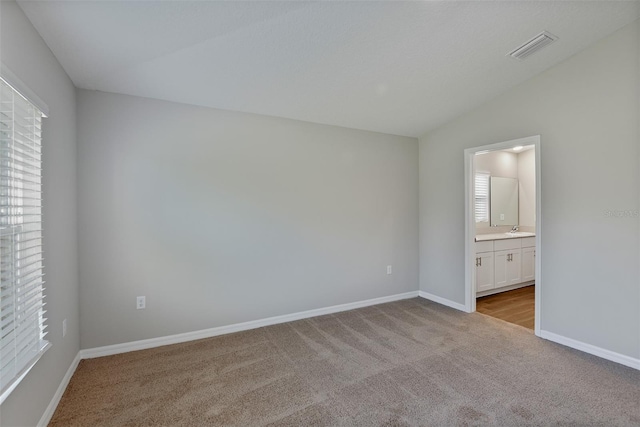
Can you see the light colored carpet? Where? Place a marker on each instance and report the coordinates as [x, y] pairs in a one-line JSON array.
[[410, 362]]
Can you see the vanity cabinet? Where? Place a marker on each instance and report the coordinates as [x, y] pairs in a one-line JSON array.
[[504, 263]]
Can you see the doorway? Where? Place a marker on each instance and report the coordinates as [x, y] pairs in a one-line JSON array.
[[502, 245]]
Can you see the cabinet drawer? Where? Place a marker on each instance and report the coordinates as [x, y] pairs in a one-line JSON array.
[[528, 242], [486, 246], [501, 245]]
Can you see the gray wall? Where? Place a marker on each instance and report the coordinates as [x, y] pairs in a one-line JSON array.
[[586, 111], [24, 52], [220, 217]]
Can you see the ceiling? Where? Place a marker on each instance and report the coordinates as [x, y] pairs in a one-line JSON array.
[[402, 68]]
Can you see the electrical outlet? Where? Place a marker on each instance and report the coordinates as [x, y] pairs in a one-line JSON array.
[[389, 269], [141, 303], [64, 328], [501, 217]]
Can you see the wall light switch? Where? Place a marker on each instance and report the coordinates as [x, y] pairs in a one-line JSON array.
[[389, 269], [64, 328], [141, 303]]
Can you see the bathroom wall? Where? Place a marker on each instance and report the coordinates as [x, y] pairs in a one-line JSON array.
[[498, 163], [527, 190], [520, 166]]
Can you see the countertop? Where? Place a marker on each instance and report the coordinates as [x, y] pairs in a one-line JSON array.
[[501, 236]]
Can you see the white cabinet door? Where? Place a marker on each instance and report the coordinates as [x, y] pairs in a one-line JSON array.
[[528, 264], [508, 267], [500, 262], [484, 271], [514, 267]]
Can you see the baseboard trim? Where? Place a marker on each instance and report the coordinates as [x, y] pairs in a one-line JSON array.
[[48, 413], [592, 349], [442, 301], [222, 330]]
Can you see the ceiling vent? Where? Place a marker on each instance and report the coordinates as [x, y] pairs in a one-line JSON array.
[[532, 46]]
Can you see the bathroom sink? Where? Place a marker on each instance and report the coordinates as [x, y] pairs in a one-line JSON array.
[[520, 234]]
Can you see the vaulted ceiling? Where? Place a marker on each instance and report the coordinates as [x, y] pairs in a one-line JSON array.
[[396, 67]]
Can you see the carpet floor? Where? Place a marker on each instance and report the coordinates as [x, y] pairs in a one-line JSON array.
[[410, 362]]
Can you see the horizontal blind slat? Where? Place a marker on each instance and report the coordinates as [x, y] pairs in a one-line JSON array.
[[25, 272], [7, 142]]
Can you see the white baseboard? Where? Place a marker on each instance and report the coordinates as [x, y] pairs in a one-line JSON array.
[[592, 349], [222, 330], [442, 301], [48, 413]]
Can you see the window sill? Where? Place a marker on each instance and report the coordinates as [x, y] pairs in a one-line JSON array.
[[11, 386]]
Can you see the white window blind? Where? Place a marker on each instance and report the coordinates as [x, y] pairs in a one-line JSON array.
[[482, 197], [22, 322]]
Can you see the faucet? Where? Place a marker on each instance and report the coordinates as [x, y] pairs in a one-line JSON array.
[[514, 229]]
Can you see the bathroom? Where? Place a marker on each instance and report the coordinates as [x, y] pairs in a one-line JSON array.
[[504, 216]]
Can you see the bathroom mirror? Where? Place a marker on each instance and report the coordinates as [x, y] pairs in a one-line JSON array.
[[504, 201]]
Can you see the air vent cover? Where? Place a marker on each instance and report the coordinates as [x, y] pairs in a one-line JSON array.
[[532, 46]]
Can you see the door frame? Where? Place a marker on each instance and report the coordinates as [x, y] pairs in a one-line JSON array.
[[470, 223]]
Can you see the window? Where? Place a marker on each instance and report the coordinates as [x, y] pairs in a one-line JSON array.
[[482, 197], [22, 322]]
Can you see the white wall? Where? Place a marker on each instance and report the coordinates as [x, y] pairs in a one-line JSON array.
[[26, 54], [586, 111], [498, 163], [220, 217], [527, 189]]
